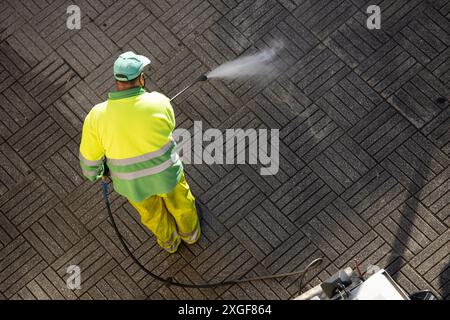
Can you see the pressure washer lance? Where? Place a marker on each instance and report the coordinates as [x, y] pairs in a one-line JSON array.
[[199, 79], [171, 281]]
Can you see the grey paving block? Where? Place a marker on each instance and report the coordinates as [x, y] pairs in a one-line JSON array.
[[410, 280], [24, 294], [439, 67], [435, 195], [373, 135], [49, 79], [372, 245], [386, 194], [11, 19], [100, 80], [255, 19], [13, 168], [29, 204], [183, 67], [322, 17], [416, 163], [94, 263], [310, 133], [9, 231], [318, 71], [398, 14], [87, 50], [342, 164], [156, 42], [19, 107], [6, 81], [49, 284], [416, 99], [190, 275], [437, 131], [20, 264], [424, 38], [12, 62], [298, 202], [29, 45], [353, 42]]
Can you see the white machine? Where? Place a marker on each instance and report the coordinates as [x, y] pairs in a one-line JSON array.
[[346, 285]]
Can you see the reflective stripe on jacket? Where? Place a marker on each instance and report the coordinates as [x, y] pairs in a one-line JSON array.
[[132, 131]]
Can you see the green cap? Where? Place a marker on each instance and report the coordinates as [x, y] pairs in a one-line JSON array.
[[129, 66]]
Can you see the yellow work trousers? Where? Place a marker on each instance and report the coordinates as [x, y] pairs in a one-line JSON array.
[[171, 217]]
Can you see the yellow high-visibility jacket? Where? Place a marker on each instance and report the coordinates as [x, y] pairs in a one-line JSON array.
[[132, 131]]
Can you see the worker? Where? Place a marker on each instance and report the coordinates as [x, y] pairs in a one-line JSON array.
[[132, 132]]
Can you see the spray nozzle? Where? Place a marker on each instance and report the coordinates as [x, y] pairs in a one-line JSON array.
[[203, 77]]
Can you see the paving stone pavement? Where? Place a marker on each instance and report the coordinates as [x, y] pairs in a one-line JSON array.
[[364, 144]]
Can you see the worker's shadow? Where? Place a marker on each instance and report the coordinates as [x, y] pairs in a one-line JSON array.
[[201, 210], [445, 282], [405, 231]]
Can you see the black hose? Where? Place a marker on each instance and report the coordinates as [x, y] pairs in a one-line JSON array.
[[170, 281]]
